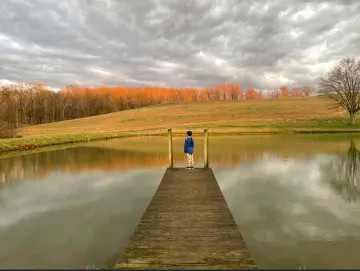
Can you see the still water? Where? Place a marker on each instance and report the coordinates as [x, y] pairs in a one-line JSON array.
[[296, 199]]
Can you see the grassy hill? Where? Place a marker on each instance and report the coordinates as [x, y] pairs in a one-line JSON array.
[[308, 114]]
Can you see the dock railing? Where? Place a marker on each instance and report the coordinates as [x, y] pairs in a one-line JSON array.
[[206, 148], [171, 152]]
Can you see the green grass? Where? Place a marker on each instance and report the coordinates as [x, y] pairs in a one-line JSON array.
[[335, 123], [29, 143]]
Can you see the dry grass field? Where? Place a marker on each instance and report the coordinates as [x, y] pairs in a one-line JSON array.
[[262, 114], [303, 114]]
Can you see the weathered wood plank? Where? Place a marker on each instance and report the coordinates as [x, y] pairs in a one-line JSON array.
[[187, 225]]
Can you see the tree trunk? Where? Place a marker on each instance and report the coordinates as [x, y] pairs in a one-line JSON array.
[[352, 118]]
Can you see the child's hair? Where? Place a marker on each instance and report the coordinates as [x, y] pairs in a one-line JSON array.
[[189, 133]]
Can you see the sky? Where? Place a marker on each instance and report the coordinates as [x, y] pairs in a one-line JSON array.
[[192, 43]]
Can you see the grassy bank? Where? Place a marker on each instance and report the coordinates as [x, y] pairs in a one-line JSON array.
[[33, 142], [293, 115]]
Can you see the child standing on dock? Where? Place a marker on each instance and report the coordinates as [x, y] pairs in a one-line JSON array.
[[189, 149]]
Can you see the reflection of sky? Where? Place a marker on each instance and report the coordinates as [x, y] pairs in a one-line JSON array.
[[289, 201], [84, 219], [82, 204]]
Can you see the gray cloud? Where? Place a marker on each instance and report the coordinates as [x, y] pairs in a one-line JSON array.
[[177, 43]]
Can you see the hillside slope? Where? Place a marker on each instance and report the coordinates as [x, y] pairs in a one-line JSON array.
[[308, 114], [263, 114]]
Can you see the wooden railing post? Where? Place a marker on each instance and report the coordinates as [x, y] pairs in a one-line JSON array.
[[171, 158], [206, 150]]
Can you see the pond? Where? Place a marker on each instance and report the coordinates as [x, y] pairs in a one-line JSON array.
[[296, 199]]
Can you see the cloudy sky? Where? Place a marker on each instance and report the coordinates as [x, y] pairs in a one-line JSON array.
[[175, 43]]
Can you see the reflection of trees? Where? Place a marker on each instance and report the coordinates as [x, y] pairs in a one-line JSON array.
[[347, 176], [39, 165]]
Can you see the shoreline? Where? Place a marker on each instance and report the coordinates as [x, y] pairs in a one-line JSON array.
[[28, 143]]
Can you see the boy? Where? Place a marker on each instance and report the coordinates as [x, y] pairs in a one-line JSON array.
[[189, 150]]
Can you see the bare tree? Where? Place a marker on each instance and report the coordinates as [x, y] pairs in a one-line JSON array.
[[8, 113], [346, 177], [342, 84]]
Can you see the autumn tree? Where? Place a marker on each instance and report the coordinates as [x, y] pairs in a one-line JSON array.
[[274, 94], [8, 112], [342, 84], [252, 94], [307, 90], [284, 91]]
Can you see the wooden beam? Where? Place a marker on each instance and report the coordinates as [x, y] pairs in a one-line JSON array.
[[206, 148], [171, 157]]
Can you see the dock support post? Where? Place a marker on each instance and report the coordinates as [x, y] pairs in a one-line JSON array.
[[206, 150], [171, 158]]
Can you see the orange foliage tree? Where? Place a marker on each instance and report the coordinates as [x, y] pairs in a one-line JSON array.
[[253, 94], [284, 91]]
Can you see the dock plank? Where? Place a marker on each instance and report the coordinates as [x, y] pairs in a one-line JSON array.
[[187, 225]]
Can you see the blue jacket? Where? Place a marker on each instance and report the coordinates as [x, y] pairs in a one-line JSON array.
[[189, 145]]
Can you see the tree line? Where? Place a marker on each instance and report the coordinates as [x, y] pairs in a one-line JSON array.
[[26, 104]]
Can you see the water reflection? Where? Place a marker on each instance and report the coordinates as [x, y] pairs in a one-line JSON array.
[[290, 209], [75, 207], [295, 199], [72, 220], [346, 177], [83, 158]]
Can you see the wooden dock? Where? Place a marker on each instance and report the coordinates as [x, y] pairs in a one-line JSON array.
[[187, 225]]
